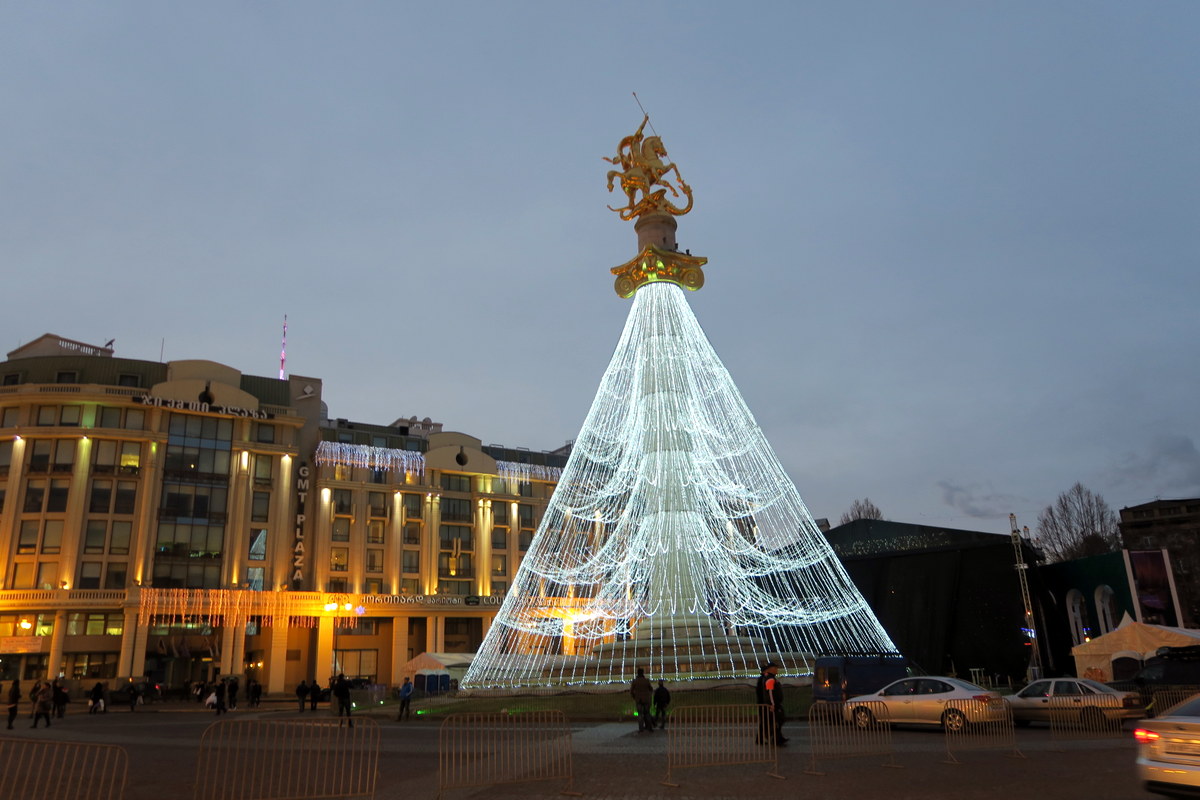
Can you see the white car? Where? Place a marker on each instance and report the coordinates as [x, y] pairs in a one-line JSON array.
[[928, 700], [1032, 704], [1168, 759]]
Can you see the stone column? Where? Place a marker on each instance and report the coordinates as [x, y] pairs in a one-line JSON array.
[[277, 667], [399, 649], [323, 667], [128, 636], [53, 666]]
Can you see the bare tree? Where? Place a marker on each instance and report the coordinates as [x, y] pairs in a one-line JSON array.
[[861, 509], [1079, 524]]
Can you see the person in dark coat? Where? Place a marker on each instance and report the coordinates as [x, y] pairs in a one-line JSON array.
[[14, 700], [314, 695], [642, 691], [232, 691], [61, 698], [769, 694], [219, 691], [43, 698], [341, 691], [97, 698], [302, 694], [662, 699]]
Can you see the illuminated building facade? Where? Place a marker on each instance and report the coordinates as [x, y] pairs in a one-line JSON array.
[[182, 520]]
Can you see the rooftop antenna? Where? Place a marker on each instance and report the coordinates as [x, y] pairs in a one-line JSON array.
[[283, 349]]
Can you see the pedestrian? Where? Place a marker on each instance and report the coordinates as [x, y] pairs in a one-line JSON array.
[[341, 691], [314, 695], [255, 691], [233, 693], [61, 698], [406, 693], [14, 700], [219, 691], [662, 699], [302, 694], [96, 698], [133, 695], [43, 700], [769, 694], [642, 691]]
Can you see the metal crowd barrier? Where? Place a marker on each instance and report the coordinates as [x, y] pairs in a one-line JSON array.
[[40, 770], [1085, 716], [839, 731], [254, 759], [709, 736], [979, 725], [478, 749], [1166, 699]]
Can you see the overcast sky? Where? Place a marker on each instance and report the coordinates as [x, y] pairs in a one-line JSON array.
[[953, 247]]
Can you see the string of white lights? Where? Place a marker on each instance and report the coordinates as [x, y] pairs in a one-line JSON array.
[[367, 457], [674, 541], [513, 470]]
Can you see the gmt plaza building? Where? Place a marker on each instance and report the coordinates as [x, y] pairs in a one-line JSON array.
[[182, 520]]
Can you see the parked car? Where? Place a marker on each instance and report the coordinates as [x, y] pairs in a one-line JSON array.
[[1168, 758], [836, 678], [1172, 666], [929, 700], [1032, 704]]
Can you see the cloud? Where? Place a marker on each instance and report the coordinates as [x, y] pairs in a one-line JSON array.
[[970, 501], [1170, 465]]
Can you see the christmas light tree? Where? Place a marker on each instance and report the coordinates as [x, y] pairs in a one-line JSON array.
[[675, 541]]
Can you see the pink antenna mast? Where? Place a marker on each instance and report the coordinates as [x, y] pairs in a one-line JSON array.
[[283, 349]]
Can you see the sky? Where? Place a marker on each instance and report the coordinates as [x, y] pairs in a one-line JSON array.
[[953, 247]]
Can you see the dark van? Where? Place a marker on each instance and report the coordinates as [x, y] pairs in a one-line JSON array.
[[836, 678], [1172, 666]]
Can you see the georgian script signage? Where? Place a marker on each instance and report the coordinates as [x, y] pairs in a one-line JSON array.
[[298, 554], [22, 644], [202, 408], [431, 600]]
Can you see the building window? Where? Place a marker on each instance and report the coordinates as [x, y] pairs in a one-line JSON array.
[[35, 496], [1106, 609], [95, 536], [263, 467], [413, 504], [52, 536], [11, 379], [374, 561], [66, 376], [336, 585], [135, 419], [499, 538], [410, 586], [260, 507], [342, 503], [341, 530], [264, 432], [339, 559], [456, 483], [1077, 615], [258, 545], [27, 539], [9, 418], [499, 565], [356, 663], [255, 578], [456, 510], [525, 539], [47, 415], [499, 587], [114, 578], [89, 575], [500, 513], [375, 531], [56, 501], [131, 458], [525, 515], [525, 489], [69, 416], [377, 504], [129, 379], [373, 585], [47, 575], [412, 533]]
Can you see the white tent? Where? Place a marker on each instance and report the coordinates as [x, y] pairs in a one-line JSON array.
[[1131, 639]]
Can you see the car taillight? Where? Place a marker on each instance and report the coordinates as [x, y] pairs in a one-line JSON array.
[[1144, 736], [983, 698], [1132, 701]]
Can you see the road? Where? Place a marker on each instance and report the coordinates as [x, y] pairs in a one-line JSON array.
[[611, 761]]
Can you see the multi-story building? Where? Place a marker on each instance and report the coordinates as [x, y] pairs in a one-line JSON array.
[[1175, 526], [182, 520]]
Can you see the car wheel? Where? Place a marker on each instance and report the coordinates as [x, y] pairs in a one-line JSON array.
[[954, 720], [863, 718]]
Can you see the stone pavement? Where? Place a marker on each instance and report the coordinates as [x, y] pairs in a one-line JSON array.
[[614, 762]]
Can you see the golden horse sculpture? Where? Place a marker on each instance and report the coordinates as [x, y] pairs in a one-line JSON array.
[[642, 168]]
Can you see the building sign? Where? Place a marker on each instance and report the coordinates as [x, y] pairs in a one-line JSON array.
[[21, 644], [202, 408], [298, 554], [432, 600]]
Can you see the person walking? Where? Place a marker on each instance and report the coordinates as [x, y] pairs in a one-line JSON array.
[[341, 691], [642, 691], [302, 694], [43, 703], [233, 693], [406, 693], [769, 694], [219, 690], [61, 698], [14, 700], [662, 699], [314, 695], [133, 695], [254, 690], [96, 696]]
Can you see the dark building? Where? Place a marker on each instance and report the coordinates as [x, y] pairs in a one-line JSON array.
[[1175, 526]]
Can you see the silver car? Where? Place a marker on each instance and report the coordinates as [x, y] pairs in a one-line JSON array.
[[1168, 759], [929, 700], [1032, 704]]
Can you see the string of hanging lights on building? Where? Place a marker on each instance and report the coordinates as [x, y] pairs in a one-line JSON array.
[[367, 457], [514, 471]]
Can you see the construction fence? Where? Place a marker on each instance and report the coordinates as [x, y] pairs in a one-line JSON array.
[[1096, 716], [838, 730], [710, 736], [294, 759], [50, 770], [479, 750], [972, 724]]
